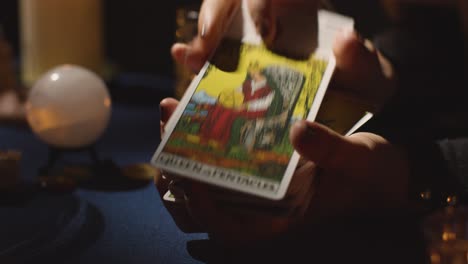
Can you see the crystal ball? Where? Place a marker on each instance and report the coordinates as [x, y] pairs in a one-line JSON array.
[[68, 107]]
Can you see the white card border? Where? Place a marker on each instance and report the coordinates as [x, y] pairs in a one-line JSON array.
[[289, 172], [319, 95]]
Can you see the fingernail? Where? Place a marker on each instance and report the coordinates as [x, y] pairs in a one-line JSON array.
[[206, 25], [203, 30]]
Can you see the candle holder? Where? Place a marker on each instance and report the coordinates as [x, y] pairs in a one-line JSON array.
[[96, 173], [55, 153]]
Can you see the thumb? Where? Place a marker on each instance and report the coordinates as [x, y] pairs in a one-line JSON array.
[[323, 146], [166, 108]]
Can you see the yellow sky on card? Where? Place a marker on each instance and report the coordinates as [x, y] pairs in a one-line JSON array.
[[218, 82]]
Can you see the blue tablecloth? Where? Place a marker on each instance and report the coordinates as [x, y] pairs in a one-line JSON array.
[[129, 224], [126, 225]]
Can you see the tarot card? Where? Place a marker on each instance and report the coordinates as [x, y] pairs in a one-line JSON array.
[[366, 117], [330, 24], [231, 128], [338, 111], [342, 113]]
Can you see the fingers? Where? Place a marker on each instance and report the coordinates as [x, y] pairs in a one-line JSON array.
[[262, 16], [214, 19], [180, 53], [232, 224], [362, 70], [280, 21], [286, 20], [302, 186], [203, 209], [166, 107], [303, 176], [322, 145], [338, 157], [350, 49], [276, 21]]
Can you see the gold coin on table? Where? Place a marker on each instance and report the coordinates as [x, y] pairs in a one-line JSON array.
[[140, 171]]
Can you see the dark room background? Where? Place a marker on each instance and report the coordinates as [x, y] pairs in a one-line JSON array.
[[138, 34]]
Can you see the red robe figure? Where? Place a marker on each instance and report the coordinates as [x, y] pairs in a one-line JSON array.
[[258, 96]]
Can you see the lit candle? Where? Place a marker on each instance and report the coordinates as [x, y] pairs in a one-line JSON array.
[[55, 32]]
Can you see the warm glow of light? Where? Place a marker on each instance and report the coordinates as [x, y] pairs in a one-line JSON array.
[[447, 235], [426, 195], [53, 103], [54, 76], [451, 199], [435, 258], [107, 102]]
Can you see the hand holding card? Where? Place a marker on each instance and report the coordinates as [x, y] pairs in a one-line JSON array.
[[221, 207], [231, 217], [231, 128]]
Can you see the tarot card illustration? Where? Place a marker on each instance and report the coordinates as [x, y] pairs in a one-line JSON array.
[[231, 129]]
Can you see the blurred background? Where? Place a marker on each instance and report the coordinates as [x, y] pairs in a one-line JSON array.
[[423, 42], [137, 35]]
